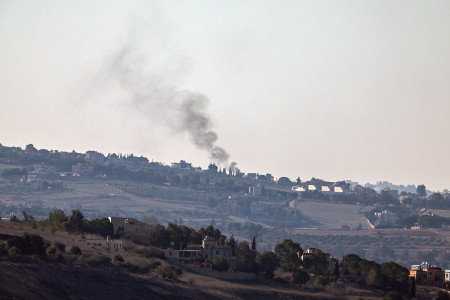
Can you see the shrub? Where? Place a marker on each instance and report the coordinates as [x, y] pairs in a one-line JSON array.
[[75, 250], [29, 244], [322, 280], [51, 250], [166, 272], [97, 261], [300, 276], [441, 295], [220, 264], [177, 270], [149, 252], [393, 295], [154, 264], [3, 251], [13, 251], [14, 219], [57, 258], [60, 246], [118, 258]]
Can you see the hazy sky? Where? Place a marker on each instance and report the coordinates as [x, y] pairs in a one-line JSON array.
[[332, 89]]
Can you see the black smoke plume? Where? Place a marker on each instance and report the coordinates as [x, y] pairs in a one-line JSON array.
[[183, 111]]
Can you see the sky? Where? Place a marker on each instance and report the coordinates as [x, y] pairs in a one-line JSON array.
[[336, 90]]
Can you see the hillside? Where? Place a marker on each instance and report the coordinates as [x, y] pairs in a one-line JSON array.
[[33, 278]]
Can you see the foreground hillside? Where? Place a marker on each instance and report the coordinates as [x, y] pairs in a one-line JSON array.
[[26, 277], [91, 275]]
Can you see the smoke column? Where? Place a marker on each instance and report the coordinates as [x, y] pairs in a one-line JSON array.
[[183, 111]]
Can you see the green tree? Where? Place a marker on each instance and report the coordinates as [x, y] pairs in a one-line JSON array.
[[437, 201], [28, 244], [245, 258], [195, 238], [160, 237], [56, 218], [30, 148], [421, 190], [174, 179], [212, 168], [75, 250], [27, 218], [179, 234], [320, 262], [220, 264], [288, 253], [232, 244], [350, 265], [74, 222], [299, 276], [101, 227], [268, 263], [333, 267], [397, 276]]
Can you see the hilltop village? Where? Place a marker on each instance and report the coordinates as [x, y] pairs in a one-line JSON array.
[[379, 222]]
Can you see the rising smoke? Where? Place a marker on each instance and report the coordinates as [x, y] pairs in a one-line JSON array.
[[181, 110]]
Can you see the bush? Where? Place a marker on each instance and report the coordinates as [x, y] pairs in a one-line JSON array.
[[441, 295], [300, 276], [177, 270], [149, 252], [97, 261], [154, 264], [118, 258], [14, 219], [29, 244], [3, 250], [393, 295], [322, 280], [60, 246], [13, 251], [75, 250], [220, 264], [51, 250], [166, 272], [133, 268]]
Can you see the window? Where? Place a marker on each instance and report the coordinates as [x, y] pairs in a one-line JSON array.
[[217, 252]]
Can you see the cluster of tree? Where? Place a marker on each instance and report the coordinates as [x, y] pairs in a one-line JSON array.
[[15, 172], [288, 254], [424, 220], [31, 156], [28, 244], [437, 201], [75, 223], [386, 276], [181, 236]]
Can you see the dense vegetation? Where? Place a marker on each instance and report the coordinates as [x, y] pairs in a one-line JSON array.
[[388, 275]]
